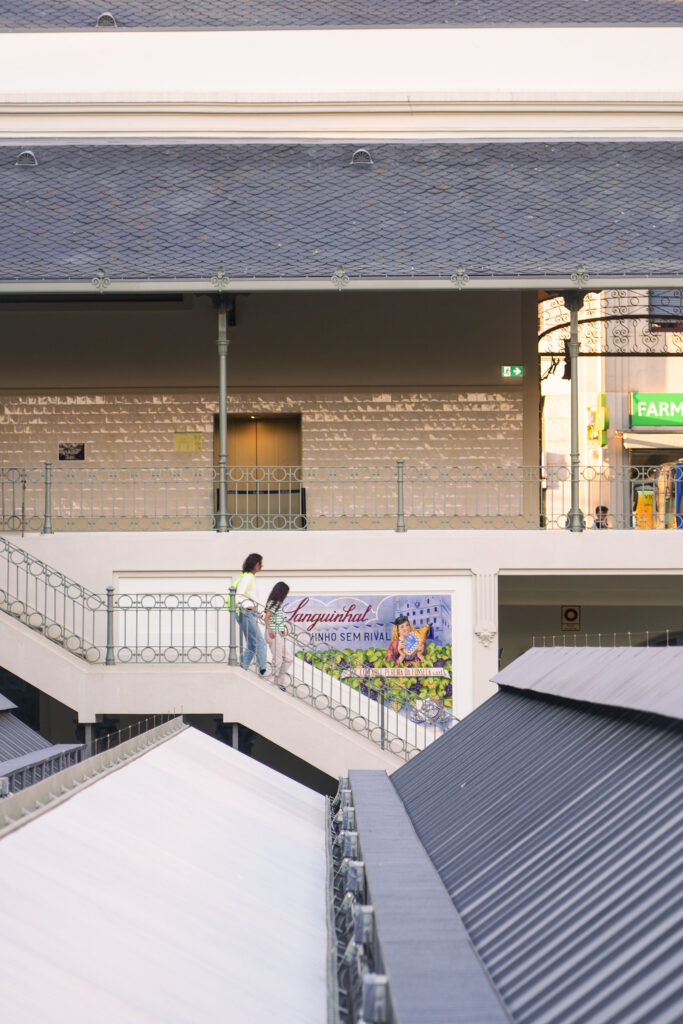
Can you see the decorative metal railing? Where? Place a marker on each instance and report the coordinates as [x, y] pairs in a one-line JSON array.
[[48, 601], [616, 322], [402, 716], [396, 496]]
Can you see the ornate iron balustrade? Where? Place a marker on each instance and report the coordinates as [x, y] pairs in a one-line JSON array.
[[617, 321], [203, 629], [51, 603], [391, 497]]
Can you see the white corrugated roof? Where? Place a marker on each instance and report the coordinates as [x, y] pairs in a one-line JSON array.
[[187, 886]]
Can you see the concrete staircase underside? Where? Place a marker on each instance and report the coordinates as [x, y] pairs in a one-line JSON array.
[[143, 690]]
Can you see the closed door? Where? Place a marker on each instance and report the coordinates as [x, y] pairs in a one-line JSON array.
[[264, 455], [274, 441]]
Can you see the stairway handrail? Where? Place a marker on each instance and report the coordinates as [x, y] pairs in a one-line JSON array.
[[171, 628]]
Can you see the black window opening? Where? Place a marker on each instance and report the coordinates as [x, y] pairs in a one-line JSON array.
[[665, 311]]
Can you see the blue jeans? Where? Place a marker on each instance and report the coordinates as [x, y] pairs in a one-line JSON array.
[[253, 643]]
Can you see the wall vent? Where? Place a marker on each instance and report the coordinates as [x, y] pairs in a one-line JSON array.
[[106, 20], [26, 159], [361, 156]]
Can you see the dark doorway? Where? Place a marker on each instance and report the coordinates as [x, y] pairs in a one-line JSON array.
[[265, 487]]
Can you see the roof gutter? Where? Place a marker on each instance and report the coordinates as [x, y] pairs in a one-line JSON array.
[[339, 281]]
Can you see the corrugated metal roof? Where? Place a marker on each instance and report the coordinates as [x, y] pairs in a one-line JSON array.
[[16, 738], [18, 14], [186, 887], [558, 832], [434, 973], [6, 704], [497, 209], [641, 678], [37, 757]]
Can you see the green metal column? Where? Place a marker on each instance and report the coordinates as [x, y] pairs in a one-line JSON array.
[[47, 517], [574, 301], [222, 516]]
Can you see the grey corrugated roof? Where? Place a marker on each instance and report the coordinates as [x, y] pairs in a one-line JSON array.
[[434, 973], [6, 704], [16, 738], [37, 757], [640, 678], [265, 210], [18, 14], [558, 832]]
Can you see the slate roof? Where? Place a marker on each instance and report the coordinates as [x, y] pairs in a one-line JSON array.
[[557, 829], [300, 210], [178, 14]]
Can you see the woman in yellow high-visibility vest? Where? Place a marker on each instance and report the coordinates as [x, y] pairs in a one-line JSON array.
[[253, 642]]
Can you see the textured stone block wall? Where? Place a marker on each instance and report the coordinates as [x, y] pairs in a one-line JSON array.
[[360, 427]]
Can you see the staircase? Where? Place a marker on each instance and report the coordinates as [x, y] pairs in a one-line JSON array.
[[173, 653]]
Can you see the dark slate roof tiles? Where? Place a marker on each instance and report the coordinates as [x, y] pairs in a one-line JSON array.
[[166, 211], [179, 14]]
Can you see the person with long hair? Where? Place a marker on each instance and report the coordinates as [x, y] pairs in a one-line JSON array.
[[276, 635], [253, 644]]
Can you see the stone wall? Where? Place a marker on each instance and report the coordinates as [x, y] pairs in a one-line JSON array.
[[356, 427]]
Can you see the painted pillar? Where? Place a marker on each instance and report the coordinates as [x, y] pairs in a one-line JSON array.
[[485, 628]]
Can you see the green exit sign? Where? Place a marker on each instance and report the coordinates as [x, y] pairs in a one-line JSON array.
[[512, 371]]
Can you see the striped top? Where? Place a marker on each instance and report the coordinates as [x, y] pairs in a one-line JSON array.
[[277, 617]]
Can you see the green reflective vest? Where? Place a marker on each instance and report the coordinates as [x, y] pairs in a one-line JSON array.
[[237, 583]]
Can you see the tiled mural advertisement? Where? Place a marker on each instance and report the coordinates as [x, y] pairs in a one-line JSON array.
[[402, 644]]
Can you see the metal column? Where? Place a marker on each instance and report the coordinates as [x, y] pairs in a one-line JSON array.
[[47, 518], [222, 515], [109, 655], [574, 301]]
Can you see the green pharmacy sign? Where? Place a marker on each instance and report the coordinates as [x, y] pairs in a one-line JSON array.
[[512, 371], [656, 409]]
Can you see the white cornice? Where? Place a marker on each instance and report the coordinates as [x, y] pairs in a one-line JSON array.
[[364, 119]]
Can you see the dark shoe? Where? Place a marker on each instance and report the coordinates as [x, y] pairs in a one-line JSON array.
[[262, 671]]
